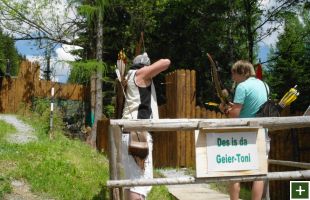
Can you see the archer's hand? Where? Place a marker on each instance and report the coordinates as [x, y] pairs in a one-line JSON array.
[[225, 108]]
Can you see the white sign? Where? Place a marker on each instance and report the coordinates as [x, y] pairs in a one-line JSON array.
[[232, 151]]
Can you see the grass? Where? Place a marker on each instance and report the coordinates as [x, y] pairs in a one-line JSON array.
[[159, 192], [5, 129], [60, 168]]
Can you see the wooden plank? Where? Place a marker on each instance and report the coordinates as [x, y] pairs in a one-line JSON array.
[[12, 95], [272, 123], [115, 149], [290, 175], [197, 112], [175, 137], [289, 163], [187, 96], [169, 150], [193, 114], [181, 87], [102, 135]]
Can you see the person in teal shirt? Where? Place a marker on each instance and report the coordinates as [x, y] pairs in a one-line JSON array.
[[250, 94]]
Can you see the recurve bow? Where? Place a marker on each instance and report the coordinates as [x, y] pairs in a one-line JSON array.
[[222, 94], [139, 44]]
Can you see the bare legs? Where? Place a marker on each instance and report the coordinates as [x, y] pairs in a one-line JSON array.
[[257, 190], [234, 189]]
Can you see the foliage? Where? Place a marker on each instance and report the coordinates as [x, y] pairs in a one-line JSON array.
[[8, 52], [109, 111], [82, 70], [291, 66], [41, 109]]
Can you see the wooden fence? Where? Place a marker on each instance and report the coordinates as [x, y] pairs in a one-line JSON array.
[[176, 148], [16, 91]]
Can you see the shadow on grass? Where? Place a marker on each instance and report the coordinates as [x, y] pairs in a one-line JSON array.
[[103, 193]]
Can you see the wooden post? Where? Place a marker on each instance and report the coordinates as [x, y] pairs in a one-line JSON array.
[[115, 159]]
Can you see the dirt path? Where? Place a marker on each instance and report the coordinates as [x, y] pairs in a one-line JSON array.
[[24, 134]]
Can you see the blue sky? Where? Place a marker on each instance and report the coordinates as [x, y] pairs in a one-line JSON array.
[[263, 52], [28, 48]]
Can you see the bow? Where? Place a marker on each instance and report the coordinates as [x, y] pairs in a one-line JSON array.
[[139, 44], [221, 93]]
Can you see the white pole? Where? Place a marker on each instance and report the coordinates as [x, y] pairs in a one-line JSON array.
[[52, 109]]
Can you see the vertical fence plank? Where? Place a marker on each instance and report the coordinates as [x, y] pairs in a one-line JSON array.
[[181, 114], [187, 96], [192, 114]]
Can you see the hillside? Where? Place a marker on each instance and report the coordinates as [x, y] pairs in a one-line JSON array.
[[36, 167]]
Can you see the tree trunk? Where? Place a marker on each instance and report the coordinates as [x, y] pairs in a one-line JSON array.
[[248, 23], [98, 105]]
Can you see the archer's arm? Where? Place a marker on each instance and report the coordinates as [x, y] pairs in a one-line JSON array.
[[145, 74]]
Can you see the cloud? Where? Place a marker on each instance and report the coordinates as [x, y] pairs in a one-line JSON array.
[[63, 53]]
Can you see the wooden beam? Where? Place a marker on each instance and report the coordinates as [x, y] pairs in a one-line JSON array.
[[272, 123], [288, 175], [289, 163]]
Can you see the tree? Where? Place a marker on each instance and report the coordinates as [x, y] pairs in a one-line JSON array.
[[94, 11], [292, 64], [9, 56], [40, 20]]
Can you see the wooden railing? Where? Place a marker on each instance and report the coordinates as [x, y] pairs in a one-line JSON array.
[[274, 123]]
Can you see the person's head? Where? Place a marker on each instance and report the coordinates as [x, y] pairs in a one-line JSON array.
[[141, 60], [242, 70]]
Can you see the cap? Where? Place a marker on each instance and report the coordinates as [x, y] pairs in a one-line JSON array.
[[142, 59]]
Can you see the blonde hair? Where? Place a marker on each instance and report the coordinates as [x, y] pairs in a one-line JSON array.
[[244, 68]]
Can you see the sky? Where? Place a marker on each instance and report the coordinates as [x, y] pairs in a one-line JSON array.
[[62, 55]]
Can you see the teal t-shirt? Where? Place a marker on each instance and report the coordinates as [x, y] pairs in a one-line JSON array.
[[251, 93]]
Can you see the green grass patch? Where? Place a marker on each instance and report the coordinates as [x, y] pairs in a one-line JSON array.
[[160, 192], [59, 168], [5, 129], [5, 186]]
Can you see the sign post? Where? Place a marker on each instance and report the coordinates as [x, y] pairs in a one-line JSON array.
[[230, 151]]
